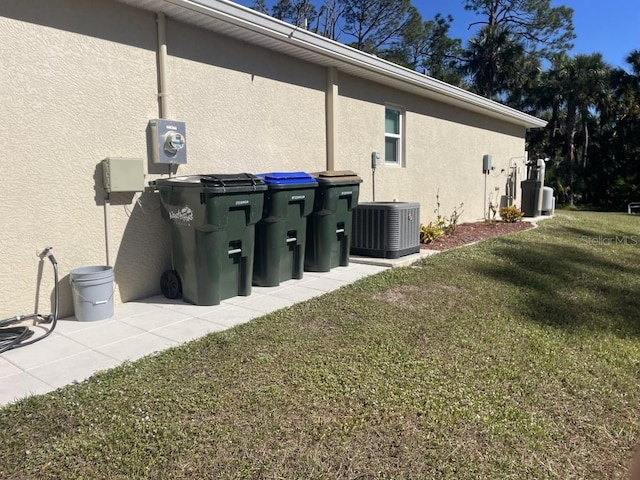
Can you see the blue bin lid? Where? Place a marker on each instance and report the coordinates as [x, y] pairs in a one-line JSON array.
[[287, 178]]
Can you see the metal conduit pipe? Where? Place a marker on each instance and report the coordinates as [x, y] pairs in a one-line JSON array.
[[161, 21]]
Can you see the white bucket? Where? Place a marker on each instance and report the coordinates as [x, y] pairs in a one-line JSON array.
[[92, 291]]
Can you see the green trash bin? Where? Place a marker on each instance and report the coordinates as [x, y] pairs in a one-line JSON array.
[[329, 224], [212, 220], [282, 232]]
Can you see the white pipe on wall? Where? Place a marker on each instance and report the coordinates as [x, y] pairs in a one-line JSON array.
[[106, 227], [162, 65], [331, 96]]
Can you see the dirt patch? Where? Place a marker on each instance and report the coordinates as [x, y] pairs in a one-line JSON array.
[[414, 297], [467, 233], [401, 295]]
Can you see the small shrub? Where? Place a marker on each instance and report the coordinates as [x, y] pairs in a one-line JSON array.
[[452, 222], [442, 226], [511, 214], [431, 232], [493, 210], [447, 224]]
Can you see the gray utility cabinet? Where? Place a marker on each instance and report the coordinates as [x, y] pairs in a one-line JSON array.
[[386, 229]]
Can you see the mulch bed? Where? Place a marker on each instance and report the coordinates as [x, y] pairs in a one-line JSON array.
[[467, 233]]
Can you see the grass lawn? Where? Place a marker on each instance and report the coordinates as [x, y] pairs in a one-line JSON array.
[[515, 358]]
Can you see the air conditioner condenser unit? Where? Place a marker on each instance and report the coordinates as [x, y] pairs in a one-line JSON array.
[[386, 229]]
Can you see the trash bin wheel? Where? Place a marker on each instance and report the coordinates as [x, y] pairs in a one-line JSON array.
[[170, 284]]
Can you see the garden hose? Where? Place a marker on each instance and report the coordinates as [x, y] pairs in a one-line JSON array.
[[12, 336]]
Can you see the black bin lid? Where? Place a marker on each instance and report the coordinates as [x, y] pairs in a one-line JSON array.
[[217, 183]]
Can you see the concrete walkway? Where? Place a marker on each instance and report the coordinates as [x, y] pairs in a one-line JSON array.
[[76, 350]]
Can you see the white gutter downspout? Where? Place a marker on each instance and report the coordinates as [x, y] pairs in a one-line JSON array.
[[162, 65], [331, 96]]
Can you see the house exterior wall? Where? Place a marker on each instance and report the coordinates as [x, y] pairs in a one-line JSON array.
[[443, 147], [80, 85], [246, 108]]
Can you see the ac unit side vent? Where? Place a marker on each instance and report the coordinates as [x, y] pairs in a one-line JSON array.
[[386, 229]]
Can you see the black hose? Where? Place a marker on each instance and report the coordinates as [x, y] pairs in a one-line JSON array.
[[16, 337]]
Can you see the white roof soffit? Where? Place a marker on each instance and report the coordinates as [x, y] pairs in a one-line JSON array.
[[245, 24]]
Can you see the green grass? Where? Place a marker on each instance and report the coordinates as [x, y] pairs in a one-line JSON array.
[[515, 358]]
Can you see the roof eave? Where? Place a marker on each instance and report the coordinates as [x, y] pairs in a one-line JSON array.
[[248, 25]]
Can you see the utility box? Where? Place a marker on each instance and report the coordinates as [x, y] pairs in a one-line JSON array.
[[386, 229], [123, 174], [487, 163], [168, 141]]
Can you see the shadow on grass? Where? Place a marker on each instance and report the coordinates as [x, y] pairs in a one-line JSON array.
[[592, 286], [609, 236]]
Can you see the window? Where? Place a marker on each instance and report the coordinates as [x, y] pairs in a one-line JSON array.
[[393, 136]]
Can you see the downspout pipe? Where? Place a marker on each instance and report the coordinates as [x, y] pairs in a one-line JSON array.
[[161, 21], [331, 95]]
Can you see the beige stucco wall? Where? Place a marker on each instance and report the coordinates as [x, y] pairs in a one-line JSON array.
[[246, 108], [443, 150], [80, 84]]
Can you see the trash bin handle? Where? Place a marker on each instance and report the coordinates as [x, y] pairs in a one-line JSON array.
[[99, 302]]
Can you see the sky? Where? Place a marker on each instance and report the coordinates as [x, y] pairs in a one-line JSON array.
[[611, 27]]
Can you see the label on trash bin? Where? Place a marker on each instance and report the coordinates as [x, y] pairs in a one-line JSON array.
[[242, 202], [344, 194], [298, 197], [184, 216]]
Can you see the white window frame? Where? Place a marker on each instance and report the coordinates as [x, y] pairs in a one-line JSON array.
[[399, 137]]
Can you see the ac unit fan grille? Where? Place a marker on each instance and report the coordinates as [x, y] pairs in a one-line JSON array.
[[386, 230]]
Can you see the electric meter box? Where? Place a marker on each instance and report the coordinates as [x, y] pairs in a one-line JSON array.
[[168, 141], [487, 163], [123, 174]]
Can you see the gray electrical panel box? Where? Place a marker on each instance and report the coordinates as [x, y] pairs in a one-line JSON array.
[[168, 141], [123, 174], [375, 159], [487, 163]]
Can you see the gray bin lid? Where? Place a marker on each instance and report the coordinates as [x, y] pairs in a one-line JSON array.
[[337, 177]]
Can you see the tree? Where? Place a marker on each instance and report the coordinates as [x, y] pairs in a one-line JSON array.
[[374, 24], [515, 36], [442, 55], [299, 12], [496, 62], [575, 93], [260, 6], [427, 47], [544, 30], [614, 179], [329, 16], [582, 77]]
